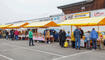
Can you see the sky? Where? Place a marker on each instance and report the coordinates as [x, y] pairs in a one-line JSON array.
[[18, 10]]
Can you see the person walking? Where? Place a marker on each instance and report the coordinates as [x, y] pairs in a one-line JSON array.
[[16, 34], [31, 43], [77, 35], [94, 36]]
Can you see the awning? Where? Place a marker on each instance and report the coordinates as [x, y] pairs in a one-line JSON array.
[[5, 26], [95, 21], [41, 24], [18, 25]]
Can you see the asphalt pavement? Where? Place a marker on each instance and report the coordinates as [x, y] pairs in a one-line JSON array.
[[19, 50]]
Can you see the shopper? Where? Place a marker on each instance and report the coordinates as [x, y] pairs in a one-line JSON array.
[[4, 34], [68, 37], [16, 34], [0, 33], [12, 34], [56, 36], [77, 35], [47, 34], [62, 37], [31, 43], [73, 40], [82, 33], [87, 38], [94, 36], [7, 35]]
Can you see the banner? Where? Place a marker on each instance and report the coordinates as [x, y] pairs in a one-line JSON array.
[[98, 13], [81, 15]]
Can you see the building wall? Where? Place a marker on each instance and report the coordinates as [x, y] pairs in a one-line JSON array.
[[96, 4]]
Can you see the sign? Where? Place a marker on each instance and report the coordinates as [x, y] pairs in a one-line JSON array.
[[98, 13], [81, 15]]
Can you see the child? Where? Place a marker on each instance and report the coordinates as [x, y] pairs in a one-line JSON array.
[[87, 35]]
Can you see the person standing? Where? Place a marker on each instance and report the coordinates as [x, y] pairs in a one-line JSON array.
[[73, 40], [94, 36], [56, 36], [48, 36], [31, 43], [7, 35], [77, 35], [62, 37], [87, 38], [0, 34], [12, 34], [16, 34], [82, 33]]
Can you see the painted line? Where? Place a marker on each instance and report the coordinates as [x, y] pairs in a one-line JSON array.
[[6, 57], [72, 55], [37, 50]]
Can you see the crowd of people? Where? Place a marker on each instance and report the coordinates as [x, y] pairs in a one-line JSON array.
[[74, 39], [90, 39], [12, 34]]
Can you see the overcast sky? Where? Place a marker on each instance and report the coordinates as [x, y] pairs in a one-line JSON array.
[[16, 10]]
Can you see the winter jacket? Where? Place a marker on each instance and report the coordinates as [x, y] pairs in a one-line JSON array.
[[77, 33], [94, 34], [87, 36], [30, 34], [16, 32], [72, 37]]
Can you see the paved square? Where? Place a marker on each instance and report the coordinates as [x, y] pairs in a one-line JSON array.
[[19, 50]]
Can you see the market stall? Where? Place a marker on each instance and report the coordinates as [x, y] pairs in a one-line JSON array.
[[17, 26], [41, 24], [95, 21], [4, 26]]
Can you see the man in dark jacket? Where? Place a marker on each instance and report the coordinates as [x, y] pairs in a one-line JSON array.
[[62, 37], [12, 34], [77, 35], [82, 33]]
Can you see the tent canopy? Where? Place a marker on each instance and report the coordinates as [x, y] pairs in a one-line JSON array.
[[95, 21], [4, 26], [41, 24], [18, 25]]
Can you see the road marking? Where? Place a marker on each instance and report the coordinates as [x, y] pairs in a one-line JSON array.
[[72, 55], [37, 50], [6, 57]]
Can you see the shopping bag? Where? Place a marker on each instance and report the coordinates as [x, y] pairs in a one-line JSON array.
[[66, 44]]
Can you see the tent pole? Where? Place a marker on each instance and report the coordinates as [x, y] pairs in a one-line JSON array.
[[71, 29], [98, 28]]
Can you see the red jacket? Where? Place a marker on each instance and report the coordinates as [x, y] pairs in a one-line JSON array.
[[16, 32]]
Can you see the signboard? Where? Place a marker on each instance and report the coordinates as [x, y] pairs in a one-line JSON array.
[[98, 13], [81, 15]]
